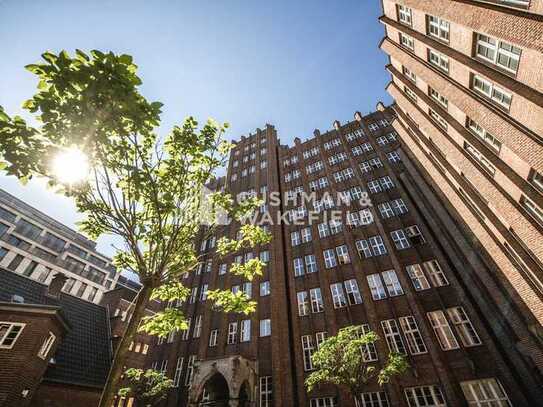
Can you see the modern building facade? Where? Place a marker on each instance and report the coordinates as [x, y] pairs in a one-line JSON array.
[[466, 77], [387, 264], [37, 246]]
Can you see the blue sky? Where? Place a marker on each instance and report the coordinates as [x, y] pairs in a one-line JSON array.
[[296, 64]]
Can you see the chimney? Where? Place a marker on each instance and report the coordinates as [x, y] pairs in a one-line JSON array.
[[358, 116], [337, 124], [380, 107], [56, 285], [316, 132]]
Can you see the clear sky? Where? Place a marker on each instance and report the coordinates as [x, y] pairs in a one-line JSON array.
[[296, 64]]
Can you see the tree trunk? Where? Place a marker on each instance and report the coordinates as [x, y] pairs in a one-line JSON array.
[[116, 370]]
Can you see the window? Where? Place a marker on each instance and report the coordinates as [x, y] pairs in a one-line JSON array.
[[335, 226], [392, 336], [485, 392], [369, 351], [323, 402], [343, 254], [185, 332], [317, 304], [15, 262], [307, 349], [497, 52], [306, 235], [409, 74], [491, 91], [164, 367], [303, 303], [265, 327], [374, 246], [438, 97], [438, 60], [295, 239], [425, 396], [232, 333], [480, 158], [438, 28], [412, 334], [534, 210], [377, 288], [311, 263], [329, 258], [203, 292], [338, 296], [373, 399], [480, 132], [463, 326], [536, 179], [213, 337], [438, 119], [47, 345], [393, 157], [265, 288], [266, 391], [415, 235], [404, 15], [419, 280], [400, 240], [407, 41], [197, 327], [178, 372], [353, 294], [392, 283], [435, 273], [245, 334], [298, 267], [190, 370], [223, 268], [410, 94], [358, 133], [442, 329]]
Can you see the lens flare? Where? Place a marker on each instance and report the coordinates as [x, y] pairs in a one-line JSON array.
[[71, 166]]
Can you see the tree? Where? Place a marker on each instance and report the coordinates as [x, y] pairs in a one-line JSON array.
[[142, 188], [147, 387], [342, 360]]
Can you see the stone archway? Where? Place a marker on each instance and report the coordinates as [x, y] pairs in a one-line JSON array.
[[234, 373], [215, 392]]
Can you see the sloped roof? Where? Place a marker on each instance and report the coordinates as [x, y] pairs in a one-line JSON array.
[[84, 356]]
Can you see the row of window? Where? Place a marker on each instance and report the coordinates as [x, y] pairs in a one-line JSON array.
[[252, 156], [10, 332], [250, 170]]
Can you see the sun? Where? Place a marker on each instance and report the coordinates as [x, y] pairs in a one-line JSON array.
[[71, 166]]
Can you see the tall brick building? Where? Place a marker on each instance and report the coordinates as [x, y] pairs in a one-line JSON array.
[[467, 80], [390, 263]]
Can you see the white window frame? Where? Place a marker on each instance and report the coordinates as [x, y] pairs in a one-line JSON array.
[[47, 345], [442, 330], [11, 327]]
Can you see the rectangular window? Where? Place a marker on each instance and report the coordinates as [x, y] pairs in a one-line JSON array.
[[366, 217], [405, 15], [376, 287], [197, 327], [266, 391], [307, 349], [324, 231], [425, 396], [295, 239], [317, 304], [463, 326], [407, 41], [440, 121], [298, 267], [245, 334], [303, 303], [178, 372], [412, 334], [497, 52], [265, 288], [323, 402], [442, 329], [393, 336], [534, 210], [438, 28], [329, 258], [409, 74], [373, 399], [47, 345], [411, 95], [338, 296], [311, 263], [480, 158], [392, 283], [480, 132], [419, 280], [343, 254], [485, 392], [353, 294], [232, 333], [265, 327], [190, 370], [400, 240], [438, 97], [213, 337], [306, 235], [438, 60], [435, 273], [491, 91], [369, 351]]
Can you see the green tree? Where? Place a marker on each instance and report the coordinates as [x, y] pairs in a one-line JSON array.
[[142, 188], [147, 387], [342, 360]]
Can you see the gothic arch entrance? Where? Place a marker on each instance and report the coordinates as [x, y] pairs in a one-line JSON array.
[[215, 392]]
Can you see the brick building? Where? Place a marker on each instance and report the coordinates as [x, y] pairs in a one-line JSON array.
[[390, 264], [466, 77]]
